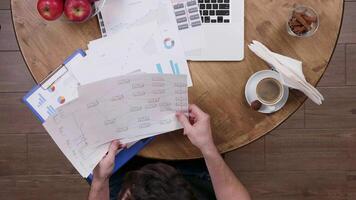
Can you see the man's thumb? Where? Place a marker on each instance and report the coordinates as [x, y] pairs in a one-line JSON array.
[[114, 146], [183, 120]]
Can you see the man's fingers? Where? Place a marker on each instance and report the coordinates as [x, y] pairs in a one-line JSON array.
[[114, 146], [196, 111], [192, 120], [183, 120]]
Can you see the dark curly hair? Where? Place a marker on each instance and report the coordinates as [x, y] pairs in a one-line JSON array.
[[156, 182]]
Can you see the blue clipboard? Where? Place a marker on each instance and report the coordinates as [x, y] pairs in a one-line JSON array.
[[37, 87], [121, 158]]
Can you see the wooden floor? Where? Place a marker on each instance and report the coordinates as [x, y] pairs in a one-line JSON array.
[[311, 156]]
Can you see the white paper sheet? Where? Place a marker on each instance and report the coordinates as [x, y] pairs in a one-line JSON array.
[[189, 24], [121, 14], [72, 143], [151, 47], [126, 108]]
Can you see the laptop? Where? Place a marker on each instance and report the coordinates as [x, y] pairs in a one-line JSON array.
[[223, 26]]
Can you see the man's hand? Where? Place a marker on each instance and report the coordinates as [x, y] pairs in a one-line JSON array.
[[197, 128], [104, 169], [99, 189]]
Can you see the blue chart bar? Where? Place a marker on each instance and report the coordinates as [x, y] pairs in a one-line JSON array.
[[159, 68], [41, 100], [51, 110], [176, 66], [172, 66]]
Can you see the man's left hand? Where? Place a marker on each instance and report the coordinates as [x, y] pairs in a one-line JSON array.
[[105, 167]]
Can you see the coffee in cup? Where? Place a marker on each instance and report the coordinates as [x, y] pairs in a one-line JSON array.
[[269, 91]]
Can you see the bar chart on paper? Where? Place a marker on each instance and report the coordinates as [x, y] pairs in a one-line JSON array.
[[41, 100], [44, 104], [50, 110], [172, 69]]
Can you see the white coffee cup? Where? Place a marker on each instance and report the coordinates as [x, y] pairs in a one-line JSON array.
[[269, 91]]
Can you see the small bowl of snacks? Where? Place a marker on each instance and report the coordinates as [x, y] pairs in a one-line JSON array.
[[303, 21]]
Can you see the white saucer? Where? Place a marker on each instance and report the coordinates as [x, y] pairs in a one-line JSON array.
[[250, 90]]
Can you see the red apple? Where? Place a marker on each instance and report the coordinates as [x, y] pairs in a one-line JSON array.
[[77, 10], [50, 9]]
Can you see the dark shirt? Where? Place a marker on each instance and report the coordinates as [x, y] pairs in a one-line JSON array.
[[194, 171]]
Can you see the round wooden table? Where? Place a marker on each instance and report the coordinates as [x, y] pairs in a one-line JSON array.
[[218, 86]]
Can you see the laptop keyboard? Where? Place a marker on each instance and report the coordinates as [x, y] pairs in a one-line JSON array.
[[215, 11]]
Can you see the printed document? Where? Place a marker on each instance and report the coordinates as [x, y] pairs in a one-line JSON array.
[[128, 108], [151, 47]]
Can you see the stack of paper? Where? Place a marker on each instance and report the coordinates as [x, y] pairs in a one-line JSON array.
[[128, 108], [96, 98], [151, 45], [150, 48]]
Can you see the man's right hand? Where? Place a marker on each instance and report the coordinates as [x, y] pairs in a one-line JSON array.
[[198, 128], [226, 185]]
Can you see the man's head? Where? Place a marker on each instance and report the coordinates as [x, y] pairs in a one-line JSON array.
[[156, 182]]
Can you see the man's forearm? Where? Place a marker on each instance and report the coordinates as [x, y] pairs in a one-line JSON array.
[[99, 190], [225, 183]]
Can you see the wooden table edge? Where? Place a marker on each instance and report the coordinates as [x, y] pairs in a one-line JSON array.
[[18, 44]]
